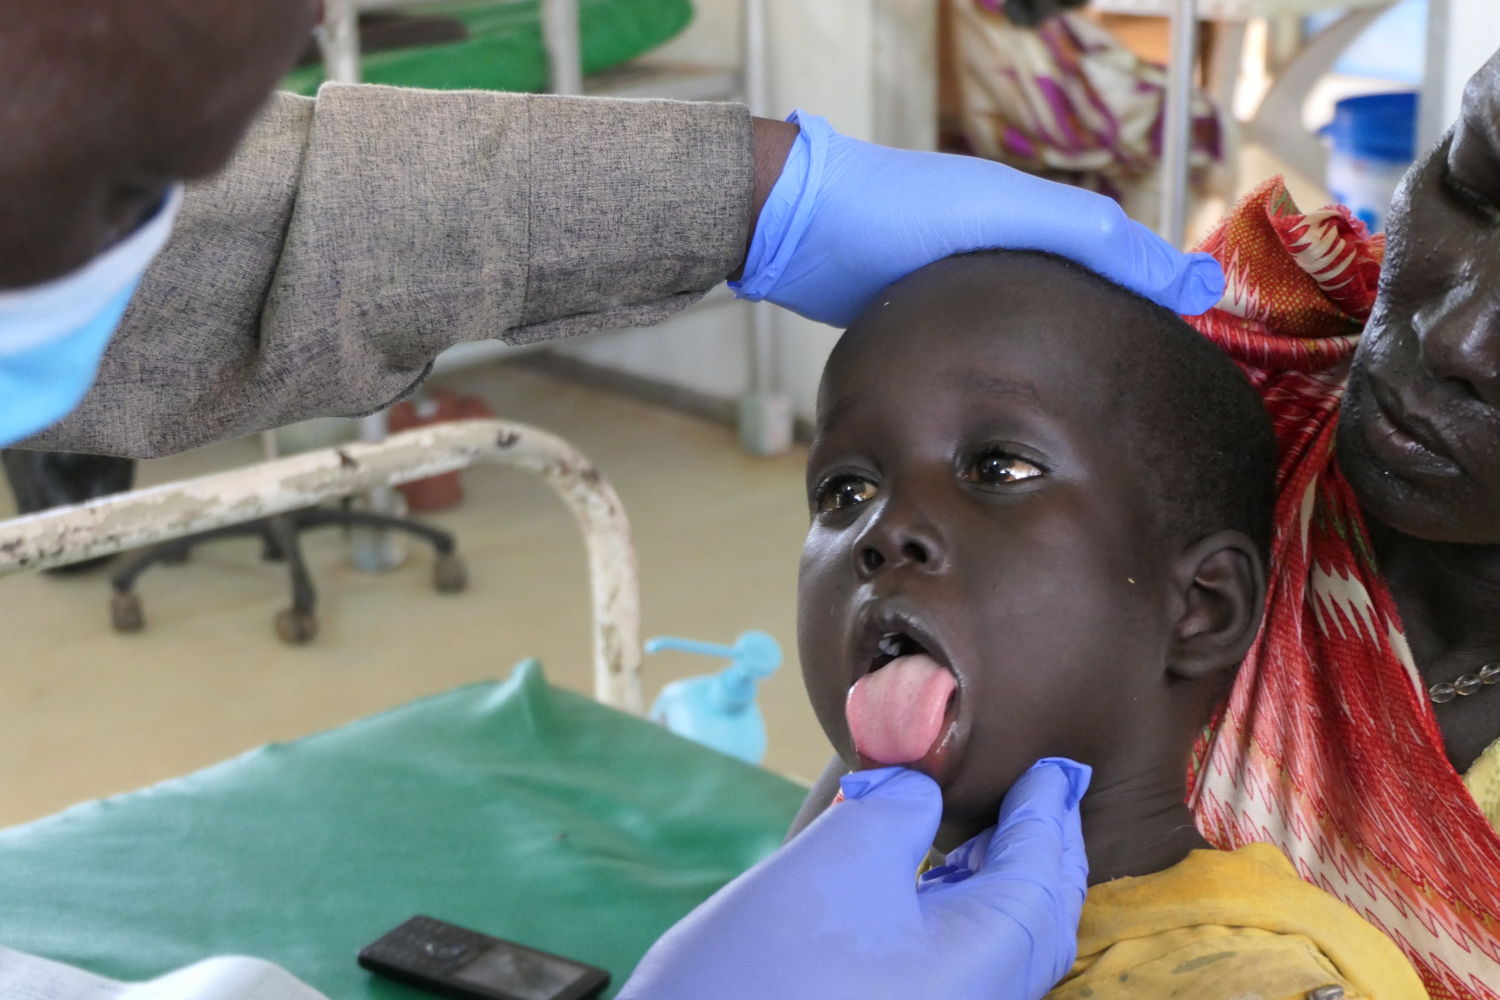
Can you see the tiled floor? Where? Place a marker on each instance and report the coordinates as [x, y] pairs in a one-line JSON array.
[[88, 712]]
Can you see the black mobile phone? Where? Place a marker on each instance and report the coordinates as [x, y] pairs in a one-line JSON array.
[[457, 962]]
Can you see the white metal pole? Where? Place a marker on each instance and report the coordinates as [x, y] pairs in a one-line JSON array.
[[1178, 125], [758, 98], [371, 550], [339, 39], [765, 412], [1433, 113], [564, 46], [1461, 37], [757, 78]]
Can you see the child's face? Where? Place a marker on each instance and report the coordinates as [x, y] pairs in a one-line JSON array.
[[971, 501]]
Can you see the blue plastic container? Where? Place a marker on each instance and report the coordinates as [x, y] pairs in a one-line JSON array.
[[719, 710], [1374, 141]]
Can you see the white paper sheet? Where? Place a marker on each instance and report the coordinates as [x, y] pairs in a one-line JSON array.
[[224, 977]]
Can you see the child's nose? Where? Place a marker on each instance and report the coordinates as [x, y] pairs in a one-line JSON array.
[[894, 540]]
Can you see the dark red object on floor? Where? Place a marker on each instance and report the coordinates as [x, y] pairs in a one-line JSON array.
[[442, 491]]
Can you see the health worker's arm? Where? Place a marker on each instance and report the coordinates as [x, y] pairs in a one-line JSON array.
[[354, 236]]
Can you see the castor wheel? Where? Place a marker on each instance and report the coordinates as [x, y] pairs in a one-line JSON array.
[[125, 612], [449, 574], [295, 627]]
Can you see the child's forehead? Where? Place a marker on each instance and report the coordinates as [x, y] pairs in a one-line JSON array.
[[990, 325], [894, 386], [930, 395], [968, 347], [965, 307]]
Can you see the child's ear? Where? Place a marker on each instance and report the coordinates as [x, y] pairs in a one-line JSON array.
[[1222, 583]]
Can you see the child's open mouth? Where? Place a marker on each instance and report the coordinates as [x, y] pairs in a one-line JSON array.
[[903, 709]]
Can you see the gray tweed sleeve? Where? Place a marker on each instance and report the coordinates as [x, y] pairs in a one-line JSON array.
[[356, 235]]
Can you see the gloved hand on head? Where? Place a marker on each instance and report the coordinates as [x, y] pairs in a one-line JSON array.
[[838, 911], [846, 218]]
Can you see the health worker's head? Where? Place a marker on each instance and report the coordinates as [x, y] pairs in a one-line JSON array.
[[107, 104], [109, 107]]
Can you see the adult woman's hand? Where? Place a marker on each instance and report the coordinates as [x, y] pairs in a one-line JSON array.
[[838, 912], [846, 218]]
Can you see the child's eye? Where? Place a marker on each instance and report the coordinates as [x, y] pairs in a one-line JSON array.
[[842, 492], [994, 467]]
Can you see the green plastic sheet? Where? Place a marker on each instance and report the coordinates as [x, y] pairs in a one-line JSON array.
[[504, 50], [513, 808]]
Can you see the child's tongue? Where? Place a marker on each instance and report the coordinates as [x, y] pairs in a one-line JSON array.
[[896, 713]]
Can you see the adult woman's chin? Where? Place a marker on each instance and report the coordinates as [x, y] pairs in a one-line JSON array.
[[1418, 452], [1419, 429], [1403, 470]]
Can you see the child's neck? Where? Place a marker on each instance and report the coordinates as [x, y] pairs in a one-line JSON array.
[[1137, 825]]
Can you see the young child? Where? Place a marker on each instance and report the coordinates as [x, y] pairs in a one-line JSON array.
[[1029, 539]]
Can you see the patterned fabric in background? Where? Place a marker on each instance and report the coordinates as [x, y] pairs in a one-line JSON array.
[[1065, 100], [1328, 746]]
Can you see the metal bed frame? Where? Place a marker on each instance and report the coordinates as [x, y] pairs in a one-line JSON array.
[[157, 514]]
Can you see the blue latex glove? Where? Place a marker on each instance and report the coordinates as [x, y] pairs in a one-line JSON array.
[[846, 218], [838, 912]]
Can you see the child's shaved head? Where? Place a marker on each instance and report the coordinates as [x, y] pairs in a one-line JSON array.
[[1194, 421]]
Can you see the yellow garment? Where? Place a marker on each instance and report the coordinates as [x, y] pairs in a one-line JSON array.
[[1226, 925], [1483, 782]]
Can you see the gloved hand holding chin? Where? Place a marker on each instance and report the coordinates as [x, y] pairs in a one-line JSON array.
[[838, 911]]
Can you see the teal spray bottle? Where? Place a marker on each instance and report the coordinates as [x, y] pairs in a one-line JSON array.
[[719, 710]]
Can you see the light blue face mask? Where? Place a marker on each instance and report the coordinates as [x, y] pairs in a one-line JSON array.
[[53, 335]]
